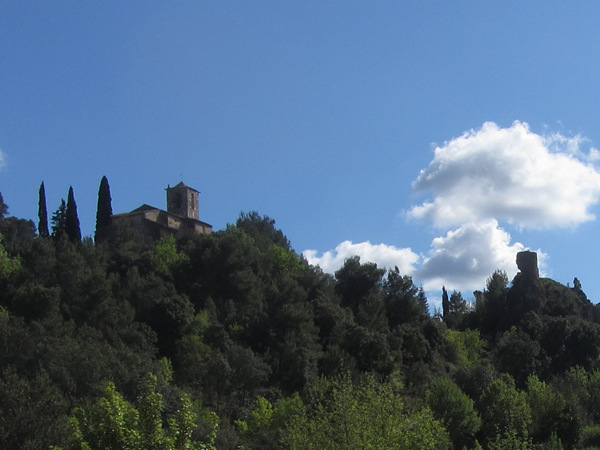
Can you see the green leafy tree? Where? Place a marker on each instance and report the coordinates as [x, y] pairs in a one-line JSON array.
[[491, 306], [569, 341], [42, 212], [590, 437], [574, 387], [104, 210], [454, 308], [525, 295], [248, 371], [33, 412], [505, 413], [549, 412], [342, 415], [359, 287], [593, 388], [403, 300], [9, 265], [518, 355], [262, 230], [17, 233], [165, 257], [72, 229], [455, 410], [475, 379], [458, 308], [470, 348], [497, 285], [158, 304], [114, 423], [266, 424]]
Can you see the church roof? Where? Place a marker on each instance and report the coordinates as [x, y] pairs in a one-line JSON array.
[[181, 184], [144, 207]]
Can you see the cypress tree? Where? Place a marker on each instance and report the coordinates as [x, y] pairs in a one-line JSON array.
[[59, 219], [3, 207], [445, 304], [71, 220], [104, 211], [42, 212]]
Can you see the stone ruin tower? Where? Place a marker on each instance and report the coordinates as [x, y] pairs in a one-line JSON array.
[[527, 264]]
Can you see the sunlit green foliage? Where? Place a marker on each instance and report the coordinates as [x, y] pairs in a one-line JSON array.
[[549, 412], [165, 257], [266, 424], [9, 266], [117, 424], [470, 348], [370, 414], [505, 414]]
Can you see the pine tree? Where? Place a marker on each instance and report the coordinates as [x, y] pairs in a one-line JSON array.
[[59, 219], [42, 212], [104, 211], [71, 220]]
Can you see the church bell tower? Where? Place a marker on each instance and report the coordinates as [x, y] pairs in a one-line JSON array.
[[182, 201]]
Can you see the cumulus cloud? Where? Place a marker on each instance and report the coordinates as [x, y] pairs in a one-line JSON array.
[[383, 255], [465, 257], [481, 183], [510, 174]]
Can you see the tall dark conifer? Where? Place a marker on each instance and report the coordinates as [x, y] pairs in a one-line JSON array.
[[3, 207], [59, 219], [445, 304], [71, 220], [104, 211], [42, 212]]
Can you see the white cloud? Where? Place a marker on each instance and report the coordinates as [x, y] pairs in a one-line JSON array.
[[483, 178], [509, 174], [2, 159], [464, 258], [383, 255], [594, 155]]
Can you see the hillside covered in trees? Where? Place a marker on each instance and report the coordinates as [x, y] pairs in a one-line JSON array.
[[232, 340]]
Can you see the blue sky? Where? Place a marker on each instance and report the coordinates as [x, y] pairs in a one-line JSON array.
[[441, 137]]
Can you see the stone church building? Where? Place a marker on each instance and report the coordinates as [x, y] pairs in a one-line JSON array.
[[181, 217]]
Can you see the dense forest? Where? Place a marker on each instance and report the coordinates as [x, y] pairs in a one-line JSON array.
[[232, 340]]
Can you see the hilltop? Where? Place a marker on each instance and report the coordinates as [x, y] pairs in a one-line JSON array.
[[232, 339]]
